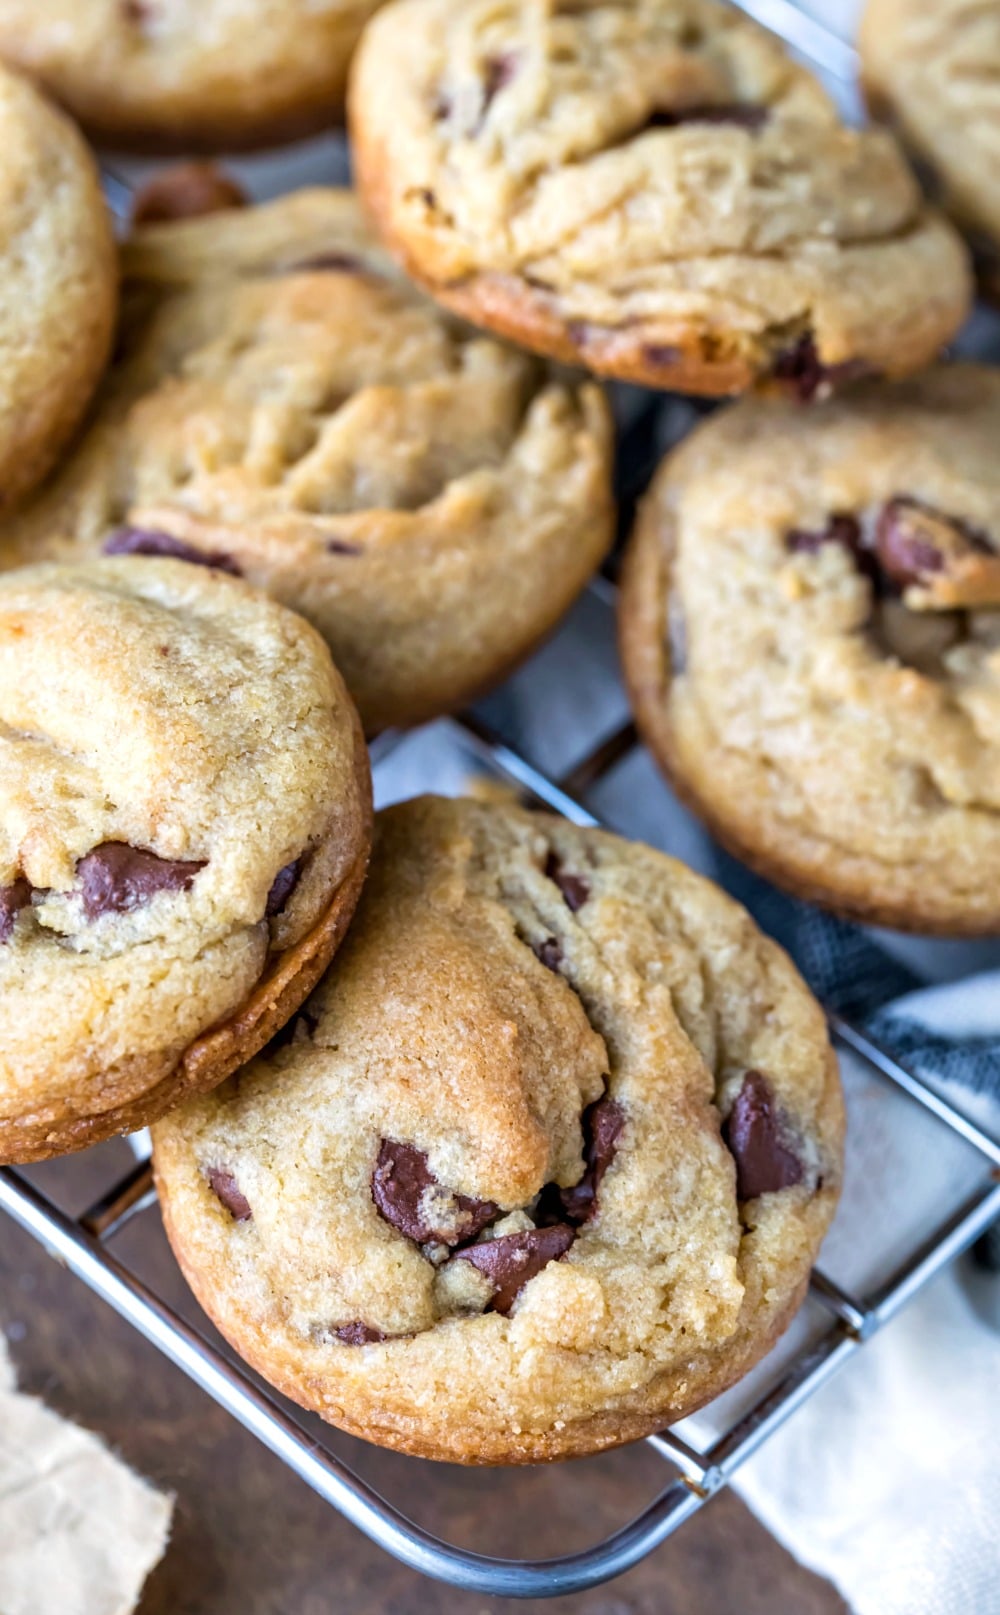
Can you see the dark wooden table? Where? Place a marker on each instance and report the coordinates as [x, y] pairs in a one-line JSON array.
[[251, 1539]]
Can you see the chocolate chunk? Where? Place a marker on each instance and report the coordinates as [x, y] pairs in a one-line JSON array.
[[343, 263], [509, 1262], [282, 887], [602, 1124], [549, 952], [574, 888], [145, 541], [400, 1184], [801, 371], [12, 899], [755, 1138], [340, 546], [840, 529], [116, 877], [498, 73], [358, 1334], [225, 1188], [741, 116], [913, 541], [186, 191]]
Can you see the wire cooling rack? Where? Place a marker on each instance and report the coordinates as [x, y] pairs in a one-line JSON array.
[[847, 1319]]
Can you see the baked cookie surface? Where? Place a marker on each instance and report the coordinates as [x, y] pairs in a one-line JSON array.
[[811, 635], [289, 408], [652, 188], [58, 284], [933, 71], [189, 74], [543, 1163], [184, 826]]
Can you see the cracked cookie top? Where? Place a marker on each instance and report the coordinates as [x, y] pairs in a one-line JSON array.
[[811, 632], [183, 795], [651, 186], [933, 71], [189, 74], [543, 1162], [288, 409], [58, 284]]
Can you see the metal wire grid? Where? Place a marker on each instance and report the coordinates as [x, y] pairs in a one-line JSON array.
[[84, 1243]]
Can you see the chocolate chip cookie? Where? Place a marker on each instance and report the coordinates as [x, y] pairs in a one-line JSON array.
[[184, 827], [811, 634], [189, 74], [933, 72], [58, 284], [541, 1165], [288, 408], [649, 187]]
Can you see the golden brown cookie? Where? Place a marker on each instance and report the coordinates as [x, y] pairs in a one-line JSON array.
[[58, 284], [933, 72], [289, 408], [811, 634], [189, 75], [651, 188], [184, 828], [543, 1163]]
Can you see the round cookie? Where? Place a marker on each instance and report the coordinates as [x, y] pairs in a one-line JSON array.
[[542, 1165], [189, 75], [58, 284], [810, 626], [184, 828], [652, 188], [933, 71], [289, 408]]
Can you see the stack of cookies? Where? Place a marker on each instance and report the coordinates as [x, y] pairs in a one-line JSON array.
[[485, 1136]]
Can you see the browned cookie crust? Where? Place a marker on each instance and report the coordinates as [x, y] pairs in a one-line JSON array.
[[933, 72], [810, 628], [189, 75], [288, 408], [184, 826], [58, 284], [652, 188], [543, 1163]]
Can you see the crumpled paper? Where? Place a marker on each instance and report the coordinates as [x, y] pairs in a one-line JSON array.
[[79, 1532]]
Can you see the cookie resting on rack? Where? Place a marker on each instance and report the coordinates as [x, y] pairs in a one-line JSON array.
[[542, 1164], [933, 72], [189, 74], [652, 188], [184, 828], [811, 633], [58, 284], [287, 407]]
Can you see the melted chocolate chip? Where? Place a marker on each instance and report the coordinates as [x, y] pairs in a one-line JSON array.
[[282, 887], [186, 191], [116, 877], [602, 1124], [226, 1189], [358, 1334], [840, 529], [340, 546], [754, 1136], [741, 116], [499, 71], [145, 541], [342, 263], [509, 1262], [913, 540], [12, 899], [574, 888], [549, 952], [800, 369], [400, 1183]]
